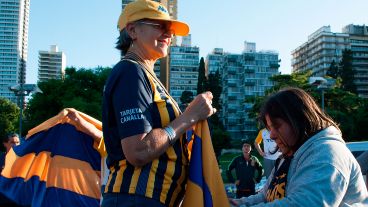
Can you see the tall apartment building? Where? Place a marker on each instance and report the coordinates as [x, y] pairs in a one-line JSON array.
[[184, 62], [214, 61], [243, 75], [358, 38], [51, 64], [324, 46], [14, 15]]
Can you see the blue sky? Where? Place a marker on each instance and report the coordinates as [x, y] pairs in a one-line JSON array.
[[85, 30]]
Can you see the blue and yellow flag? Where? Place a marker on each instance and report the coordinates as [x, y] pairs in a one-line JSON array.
[[57, 165], [205, 187]]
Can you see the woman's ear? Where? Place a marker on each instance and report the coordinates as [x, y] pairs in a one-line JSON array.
[[131, 29]]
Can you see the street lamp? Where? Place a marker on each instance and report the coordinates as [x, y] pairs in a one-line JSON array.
[[322, 85], [23, 90]]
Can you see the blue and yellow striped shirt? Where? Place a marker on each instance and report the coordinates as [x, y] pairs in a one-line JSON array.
[[135, 103]]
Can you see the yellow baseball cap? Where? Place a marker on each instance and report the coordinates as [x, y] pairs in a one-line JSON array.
[[147, 9]]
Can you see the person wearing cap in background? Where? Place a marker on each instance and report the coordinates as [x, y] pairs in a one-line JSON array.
[[248, 172], [143, 127]]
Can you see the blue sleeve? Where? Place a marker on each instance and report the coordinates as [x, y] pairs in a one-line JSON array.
[[132, 102]]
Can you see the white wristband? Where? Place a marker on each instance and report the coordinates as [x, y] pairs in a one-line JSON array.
[[170, 134]]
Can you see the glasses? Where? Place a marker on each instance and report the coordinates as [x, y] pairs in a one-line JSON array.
[[164, 27]]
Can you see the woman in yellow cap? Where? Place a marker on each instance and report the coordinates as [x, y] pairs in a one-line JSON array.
[[143, 127]]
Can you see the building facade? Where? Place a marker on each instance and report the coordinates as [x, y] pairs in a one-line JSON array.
[[214, 61], [51, 64], [358, 39], [244, 76], [14, 17], [184, 63], [324, 46]]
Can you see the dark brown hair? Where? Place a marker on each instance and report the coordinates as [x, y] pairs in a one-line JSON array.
[[124, 42], [297, 108]]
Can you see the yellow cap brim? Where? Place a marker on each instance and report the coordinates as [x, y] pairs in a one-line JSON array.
[[179, 28]]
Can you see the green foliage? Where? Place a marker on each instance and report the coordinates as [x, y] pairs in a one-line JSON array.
[[280, 81], [344, 72], [9, 115], [220, 140], [333, 71], [213, 84], [293, 80], [347, 72], [348, 109], [186, 97], [201, 77], [81, 89], [220, 137]]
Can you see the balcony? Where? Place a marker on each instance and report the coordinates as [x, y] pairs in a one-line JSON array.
[[231, 97], [274, 65], [232, 83], [249, 83], [248, 58], [249, 70], [231, 70]]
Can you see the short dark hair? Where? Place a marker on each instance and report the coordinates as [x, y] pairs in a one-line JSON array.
[[246, 141], [299, 110], [10, 135], [124, 41]]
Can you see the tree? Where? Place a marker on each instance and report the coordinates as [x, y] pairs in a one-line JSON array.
[[213, 84], [220, 140], [9, 114], [347, 109], [201, 84], [333, 71], [186, 97], [347, 72], [220, 137], [81, 89], [281, 81]]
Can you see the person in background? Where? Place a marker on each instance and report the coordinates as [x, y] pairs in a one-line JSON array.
[[12, 139], [248, 171], [143, 127], [270, 151], [316, 167]]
